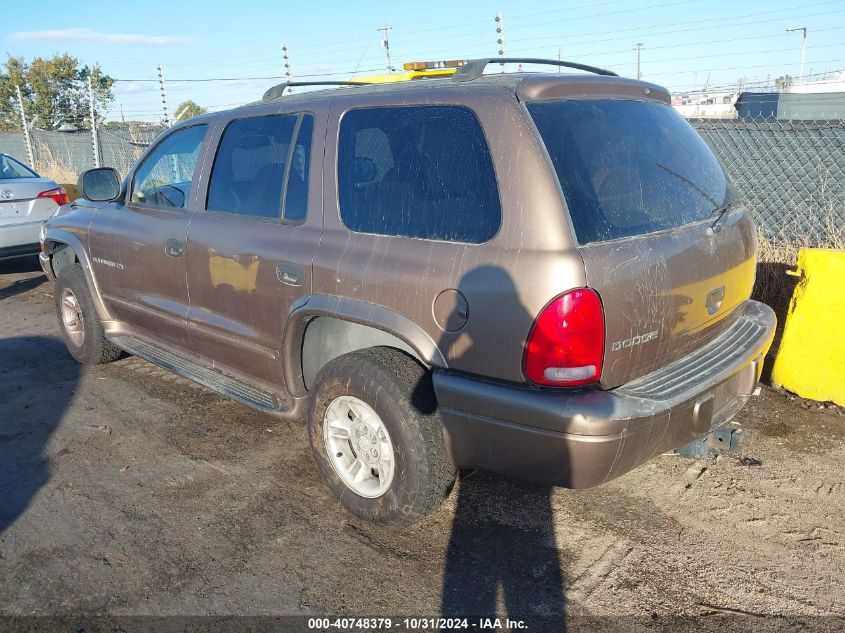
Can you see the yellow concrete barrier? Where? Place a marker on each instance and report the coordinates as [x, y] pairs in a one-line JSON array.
[[811, 358]]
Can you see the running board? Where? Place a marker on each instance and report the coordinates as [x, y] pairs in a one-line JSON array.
[[214, 380]]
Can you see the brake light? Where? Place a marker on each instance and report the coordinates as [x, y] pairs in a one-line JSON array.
[[566, 345], [58, 194]]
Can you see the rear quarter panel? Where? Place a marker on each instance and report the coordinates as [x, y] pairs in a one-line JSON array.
[[505, 282]]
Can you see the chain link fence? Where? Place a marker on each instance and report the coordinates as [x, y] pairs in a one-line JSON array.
[[62, 156], [792, 173]]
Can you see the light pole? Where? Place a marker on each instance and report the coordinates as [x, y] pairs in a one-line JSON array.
[[803, 30]]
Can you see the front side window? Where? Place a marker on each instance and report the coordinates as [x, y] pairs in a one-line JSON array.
[[164, 178], [421, 171], [253, 159], [10, 168]]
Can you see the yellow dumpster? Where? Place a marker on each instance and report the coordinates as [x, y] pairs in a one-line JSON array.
[[811, 359]]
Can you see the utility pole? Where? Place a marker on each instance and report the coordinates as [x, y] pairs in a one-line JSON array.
[[385, 42], [500, 37], [639, 48], [95, 142], [122, 118], [559, 56], [163, 95], [25, 128], [286, 59], [803, 30]]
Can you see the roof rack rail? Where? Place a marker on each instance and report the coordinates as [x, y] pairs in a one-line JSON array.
[[474, 68], [276, 91]]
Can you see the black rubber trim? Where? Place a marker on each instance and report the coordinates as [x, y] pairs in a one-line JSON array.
[[20, 250]]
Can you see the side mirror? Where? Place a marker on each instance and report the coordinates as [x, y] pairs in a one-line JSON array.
[[99, 185]]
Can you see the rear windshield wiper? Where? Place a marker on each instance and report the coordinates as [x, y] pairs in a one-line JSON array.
[[720, 212]]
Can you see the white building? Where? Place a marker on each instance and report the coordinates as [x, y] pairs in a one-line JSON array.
[[833, 84]]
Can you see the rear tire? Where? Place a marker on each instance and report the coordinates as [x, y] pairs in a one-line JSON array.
[[394, 454], [78, 320]]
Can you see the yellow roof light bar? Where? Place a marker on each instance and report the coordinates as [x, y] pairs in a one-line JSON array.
[[454, 63], [417, 70]]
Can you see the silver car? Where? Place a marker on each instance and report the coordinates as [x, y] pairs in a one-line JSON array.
[[26, 200]]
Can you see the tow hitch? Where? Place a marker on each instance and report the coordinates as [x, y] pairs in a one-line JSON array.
[[726, 439]]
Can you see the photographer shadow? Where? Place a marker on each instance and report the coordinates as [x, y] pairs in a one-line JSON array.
[[502, 559], [37, 382]]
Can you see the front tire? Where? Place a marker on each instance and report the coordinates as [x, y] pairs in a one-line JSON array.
[[377, 437], [78, 320]]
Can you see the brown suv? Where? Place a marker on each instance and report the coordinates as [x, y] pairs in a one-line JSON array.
[[544, 275]]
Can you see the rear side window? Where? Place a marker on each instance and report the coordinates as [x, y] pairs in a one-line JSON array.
[[422, 171], [253, 159], [629, 167]]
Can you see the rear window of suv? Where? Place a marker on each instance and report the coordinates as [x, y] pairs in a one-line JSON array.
[[417, 171], [629, 167]]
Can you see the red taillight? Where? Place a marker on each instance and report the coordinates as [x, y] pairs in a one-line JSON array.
[[58, 194], [566, 344]]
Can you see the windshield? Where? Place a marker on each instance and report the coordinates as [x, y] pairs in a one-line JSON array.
[[10, 168], [629, 167]]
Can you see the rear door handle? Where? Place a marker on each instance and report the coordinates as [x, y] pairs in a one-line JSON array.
[[174, 248], [289, 273]]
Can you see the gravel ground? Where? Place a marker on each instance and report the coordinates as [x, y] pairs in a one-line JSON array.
[[125, 490]]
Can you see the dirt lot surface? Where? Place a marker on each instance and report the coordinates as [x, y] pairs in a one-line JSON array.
[[125, 490]]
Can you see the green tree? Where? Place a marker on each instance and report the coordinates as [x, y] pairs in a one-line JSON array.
[[13, 74], [54, 90], [783, 82], [187, 109]]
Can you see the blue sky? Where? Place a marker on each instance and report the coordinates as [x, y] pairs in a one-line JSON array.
[[685, 42]]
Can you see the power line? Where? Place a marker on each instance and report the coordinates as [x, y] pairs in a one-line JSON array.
[[267, 78], [732, 54], [316, 75], [701, 43], [323, 50], [609, 35], [721, 24], [575, 18], [256, 56], [821, 61], [600, 15]]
